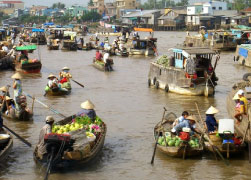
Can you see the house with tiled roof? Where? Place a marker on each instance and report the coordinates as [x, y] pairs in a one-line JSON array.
[[8, 7]]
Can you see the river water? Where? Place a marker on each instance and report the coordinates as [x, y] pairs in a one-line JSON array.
[[130, 109]]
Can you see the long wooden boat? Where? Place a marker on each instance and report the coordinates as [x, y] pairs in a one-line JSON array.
[[184, 150], [227, 149], [19, 116], [100, 65], [5, 148], [34, 67], [242, 129], [69, 157]]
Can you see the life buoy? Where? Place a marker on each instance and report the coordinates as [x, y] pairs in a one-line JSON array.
[[149, 82], [157, 84], [245, 76], [166, 88]]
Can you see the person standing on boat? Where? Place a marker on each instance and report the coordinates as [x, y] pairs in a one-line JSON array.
[[210, 119], [88, 109], [243, 106], [42, 147], [17, 86]]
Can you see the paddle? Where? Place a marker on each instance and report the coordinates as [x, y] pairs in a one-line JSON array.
[[19, 137], [156, 143], [53, 110], [49, 164], [207, 136], [78, 83]]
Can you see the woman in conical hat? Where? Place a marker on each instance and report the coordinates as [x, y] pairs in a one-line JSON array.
[[87, 109], [64, 75], [17, 86], [211, 122]]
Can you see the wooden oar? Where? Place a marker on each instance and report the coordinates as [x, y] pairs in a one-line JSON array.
[[209, 140], [19, 137], [48, 107], [156, 143], [78, 83]]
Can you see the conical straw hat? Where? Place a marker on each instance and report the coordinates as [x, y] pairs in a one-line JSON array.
[[16, 76], [65, 68], [193, 118], [51, 75], [8, 98], [236, 96], [4, 88], [212, 110], [87, 105]]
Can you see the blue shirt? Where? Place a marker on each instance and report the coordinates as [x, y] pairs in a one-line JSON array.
[[181, 119], [185, 124], [211, 123], [89, 112]]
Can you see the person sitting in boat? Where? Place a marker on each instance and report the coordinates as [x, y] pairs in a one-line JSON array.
[[98, 56], [64, 75], [23, 56], [42, 146], [17, 86], [182, 118], [10, 106], [238, 105], [52, 83], [210, 119], [12, 53], [88, 109], [243, 106], [5, 92], [189, 123]]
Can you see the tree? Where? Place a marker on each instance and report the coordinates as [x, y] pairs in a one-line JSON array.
[[58, 5], [90, 3], [91, 16], [240, 4]]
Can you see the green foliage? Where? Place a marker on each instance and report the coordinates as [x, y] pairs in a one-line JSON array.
[[240, 4], [58, 5], [32, 19], [150, 4], [90, 3], [91, 16], [3, 16], [182, 3]]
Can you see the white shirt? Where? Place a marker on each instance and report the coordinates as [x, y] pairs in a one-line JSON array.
[[5, 49], [50, 82], [106, 56]]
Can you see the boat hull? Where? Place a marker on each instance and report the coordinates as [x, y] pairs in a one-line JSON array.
[[5, 149]]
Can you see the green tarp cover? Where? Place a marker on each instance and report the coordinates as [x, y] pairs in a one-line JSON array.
[[29, 47]]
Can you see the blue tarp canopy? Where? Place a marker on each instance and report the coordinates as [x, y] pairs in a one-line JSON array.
[[49, 24], [37, 30], [243, 52], [2, 30]]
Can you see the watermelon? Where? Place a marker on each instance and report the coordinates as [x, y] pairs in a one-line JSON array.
[[171, 143], [163, 143], [177, 143]]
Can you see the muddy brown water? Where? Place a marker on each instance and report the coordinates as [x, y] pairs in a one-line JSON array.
[[130, 110]]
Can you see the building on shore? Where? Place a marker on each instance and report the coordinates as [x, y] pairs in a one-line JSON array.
[[126, 4], [172, 19], [8, 7], [98, 6]]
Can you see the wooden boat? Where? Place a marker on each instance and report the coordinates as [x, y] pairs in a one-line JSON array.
[[146, 47], [243, 55], [72, 157], [58, 92], [101, 65], [29, 66], [7, 62], [69, 43], [19, 116], [123, 53], [39, 38], [184, 150], [227, 149], [216, 40], [5, 148], [243, 129], [53, 47], [170, 74]]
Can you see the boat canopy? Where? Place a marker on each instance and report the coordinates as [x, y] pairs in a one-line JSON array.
[[37, 30], [2, 30], [70, 33], [58, 29], [28, 47], [49, 24], [143, 29]]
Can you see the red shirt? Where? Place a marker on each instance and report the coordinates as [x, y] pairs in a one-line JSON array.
[[98, 56]]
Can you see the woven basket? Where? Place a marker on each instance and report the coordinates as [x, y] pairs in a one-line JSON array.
[[215, 139]]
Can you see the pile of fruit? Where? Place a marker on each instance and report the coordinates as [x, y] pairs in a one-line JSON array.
[[194, 143], [163, 60], [79, 122], [175, 141]]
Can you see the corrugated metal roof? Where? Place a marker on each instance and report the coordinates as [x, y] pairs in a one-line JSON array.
[[197, 50], [144, 13]]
